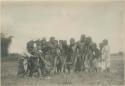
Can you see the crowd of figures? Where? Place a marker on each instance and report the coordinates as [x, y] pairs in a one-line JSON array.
[[57, 56]]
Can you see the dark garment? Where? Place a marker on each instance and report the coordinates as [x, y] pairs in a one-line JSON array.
[[59, 64], [78, 64], [97, 53], [34, 65], [20, 67]]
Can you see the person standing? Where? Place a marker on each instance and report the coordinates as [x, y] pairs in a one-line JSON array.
[[106, 56]]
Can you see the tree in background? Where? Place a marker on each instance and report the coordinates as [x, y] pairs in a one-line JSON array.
[[5, 43]]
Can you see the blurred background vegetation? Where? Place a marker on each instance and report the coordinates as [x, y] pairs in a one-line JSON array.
[[5, 43]]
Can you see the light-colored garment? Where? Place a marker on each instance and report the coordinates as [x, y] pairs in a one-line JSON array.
[[105, 57], [25, 64]]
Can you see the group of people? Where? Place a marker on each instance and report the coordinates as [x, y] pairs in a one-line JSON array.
[[56, 56]]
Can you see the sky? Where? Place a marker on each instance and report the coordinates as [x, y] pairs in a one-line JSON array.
[[35, 20]]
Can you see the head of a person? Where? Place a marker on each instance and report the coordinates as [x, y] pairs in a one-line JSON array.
[[82, 38], [52, 39], [88, 40], [72, 41], [94, 46], [65, 42], [60, 41], [44, 41], [105, 42]]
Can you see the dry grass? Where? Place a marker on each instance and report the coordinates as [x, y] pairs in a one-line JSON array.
[[115, 77]]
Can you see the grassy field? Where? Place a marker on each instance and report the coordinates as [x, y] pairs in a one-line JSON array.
[[115, 77]]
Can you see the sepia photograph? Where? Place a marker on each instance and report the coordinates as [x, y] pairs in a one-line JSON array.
[[62, 43]]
